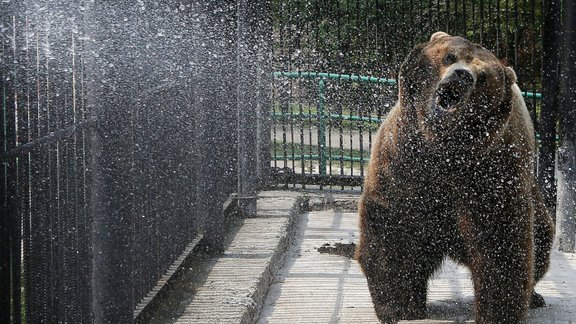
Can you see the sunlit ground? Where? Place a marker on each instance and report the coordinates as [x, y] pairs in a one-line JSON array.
[[325, 288]]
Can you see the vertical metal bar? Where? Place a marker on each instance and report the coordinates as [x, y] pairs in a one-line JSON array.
[[15, 181], [285, 41], [507, 30], [328, 99], [215, 109], [44, 236], [447, 16], [498, 22], [22, 167], [464, 18], [339, 31], [277, 54], [341, 139], [50, 125], [420, 19], [533, 74], [6, 196], [481, 21], [516, 34], [301, 143], [30, 125], [490, 37], [16, 238], [60, 92], [275, 101], [38, 279], [291, 121], [551, 76], [361, 134], [264, 88], [377, 89], [437, 25], [85, 224], [457, 25], [11, 132], [75, 311], [430, 26], [247, 105], [411, 13], [111, 93], [350, 132], [294, 43], [310, 142], [321, 127], [567, 151], [4, 232], [288, 92], [284, 104]]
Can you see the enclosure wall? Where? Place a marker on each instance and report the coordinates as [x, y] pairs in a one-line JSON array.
[[120, 145]]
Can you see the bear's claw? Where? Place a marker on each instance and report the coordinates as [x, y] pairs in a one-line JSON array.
[[537, 300]]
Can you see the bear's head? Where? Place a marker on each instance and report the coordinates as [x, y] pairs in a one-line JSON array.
[[456, 91]]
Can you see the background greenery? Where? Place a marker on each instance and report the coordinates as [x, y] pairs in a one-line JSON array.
[[371, 37]]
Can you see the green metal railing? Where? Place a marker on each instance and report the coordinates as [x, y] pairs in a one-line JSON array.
[[321, 115]]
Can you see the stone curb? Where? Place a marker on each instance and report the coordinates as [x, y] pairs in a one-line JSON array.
[[265, 205], [270, 205], [236, 286]]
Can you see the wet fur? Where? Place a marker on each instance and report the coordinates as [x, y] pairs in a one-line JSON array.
[[468, 194]]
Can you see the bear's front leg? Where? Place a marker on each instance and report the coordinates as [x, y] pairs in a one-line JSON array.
[[397, 285], [501, 263], [397, 264]]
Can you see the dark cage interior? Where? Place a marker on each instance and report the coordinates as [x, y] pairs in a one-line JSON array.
[[126, 126], [119, 147]]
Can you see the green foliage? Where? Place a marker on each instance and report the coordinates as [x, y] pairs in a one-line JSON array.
[[371, 37]]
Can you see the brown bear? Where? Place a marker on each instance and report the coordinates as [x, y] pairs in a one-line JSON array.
[[451, 174]]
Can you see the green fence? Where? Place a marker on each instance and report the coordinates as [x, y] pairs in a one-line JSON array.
[[292, 118]]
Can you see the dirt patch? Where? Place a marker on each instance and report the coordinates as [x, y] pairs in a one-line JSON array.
[[343, 249]]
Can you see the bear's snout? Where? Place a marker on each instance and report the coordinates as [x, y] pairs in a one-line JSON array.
[[453, 88], [459, 76]]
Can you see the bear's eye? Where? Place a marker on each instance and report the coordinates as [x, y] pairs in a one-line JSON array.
[[450, 59]]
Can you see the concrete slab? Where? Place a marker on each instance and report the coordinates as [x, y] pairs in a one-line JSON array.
[[322, 288], [236, 282]]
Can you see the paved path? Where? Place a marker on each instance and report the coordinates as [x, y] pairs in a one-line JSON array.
[[324, 288]]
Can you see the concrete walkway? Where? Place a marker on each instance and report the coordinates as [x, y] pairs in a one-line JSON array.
[[271, 272], [322, 288]]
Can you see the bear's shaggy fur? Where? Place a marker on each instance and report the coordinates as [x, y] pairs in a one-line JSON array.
[[451, 174]]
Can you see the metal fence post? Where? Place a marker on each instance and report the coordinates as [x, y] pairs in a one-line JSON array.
[[247, 105], [264, 89], [321, 127], [551, 30], [111, 84], [6, 186], [567, 150], [215, 77]]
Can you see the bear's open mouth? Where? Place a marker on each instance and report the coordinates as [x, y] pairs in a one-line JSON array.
[[448, 97], [453, 90]]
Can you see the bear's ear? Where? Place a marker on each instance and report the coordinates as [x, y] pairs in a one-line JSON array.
[[510, 75], [438, 35]]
